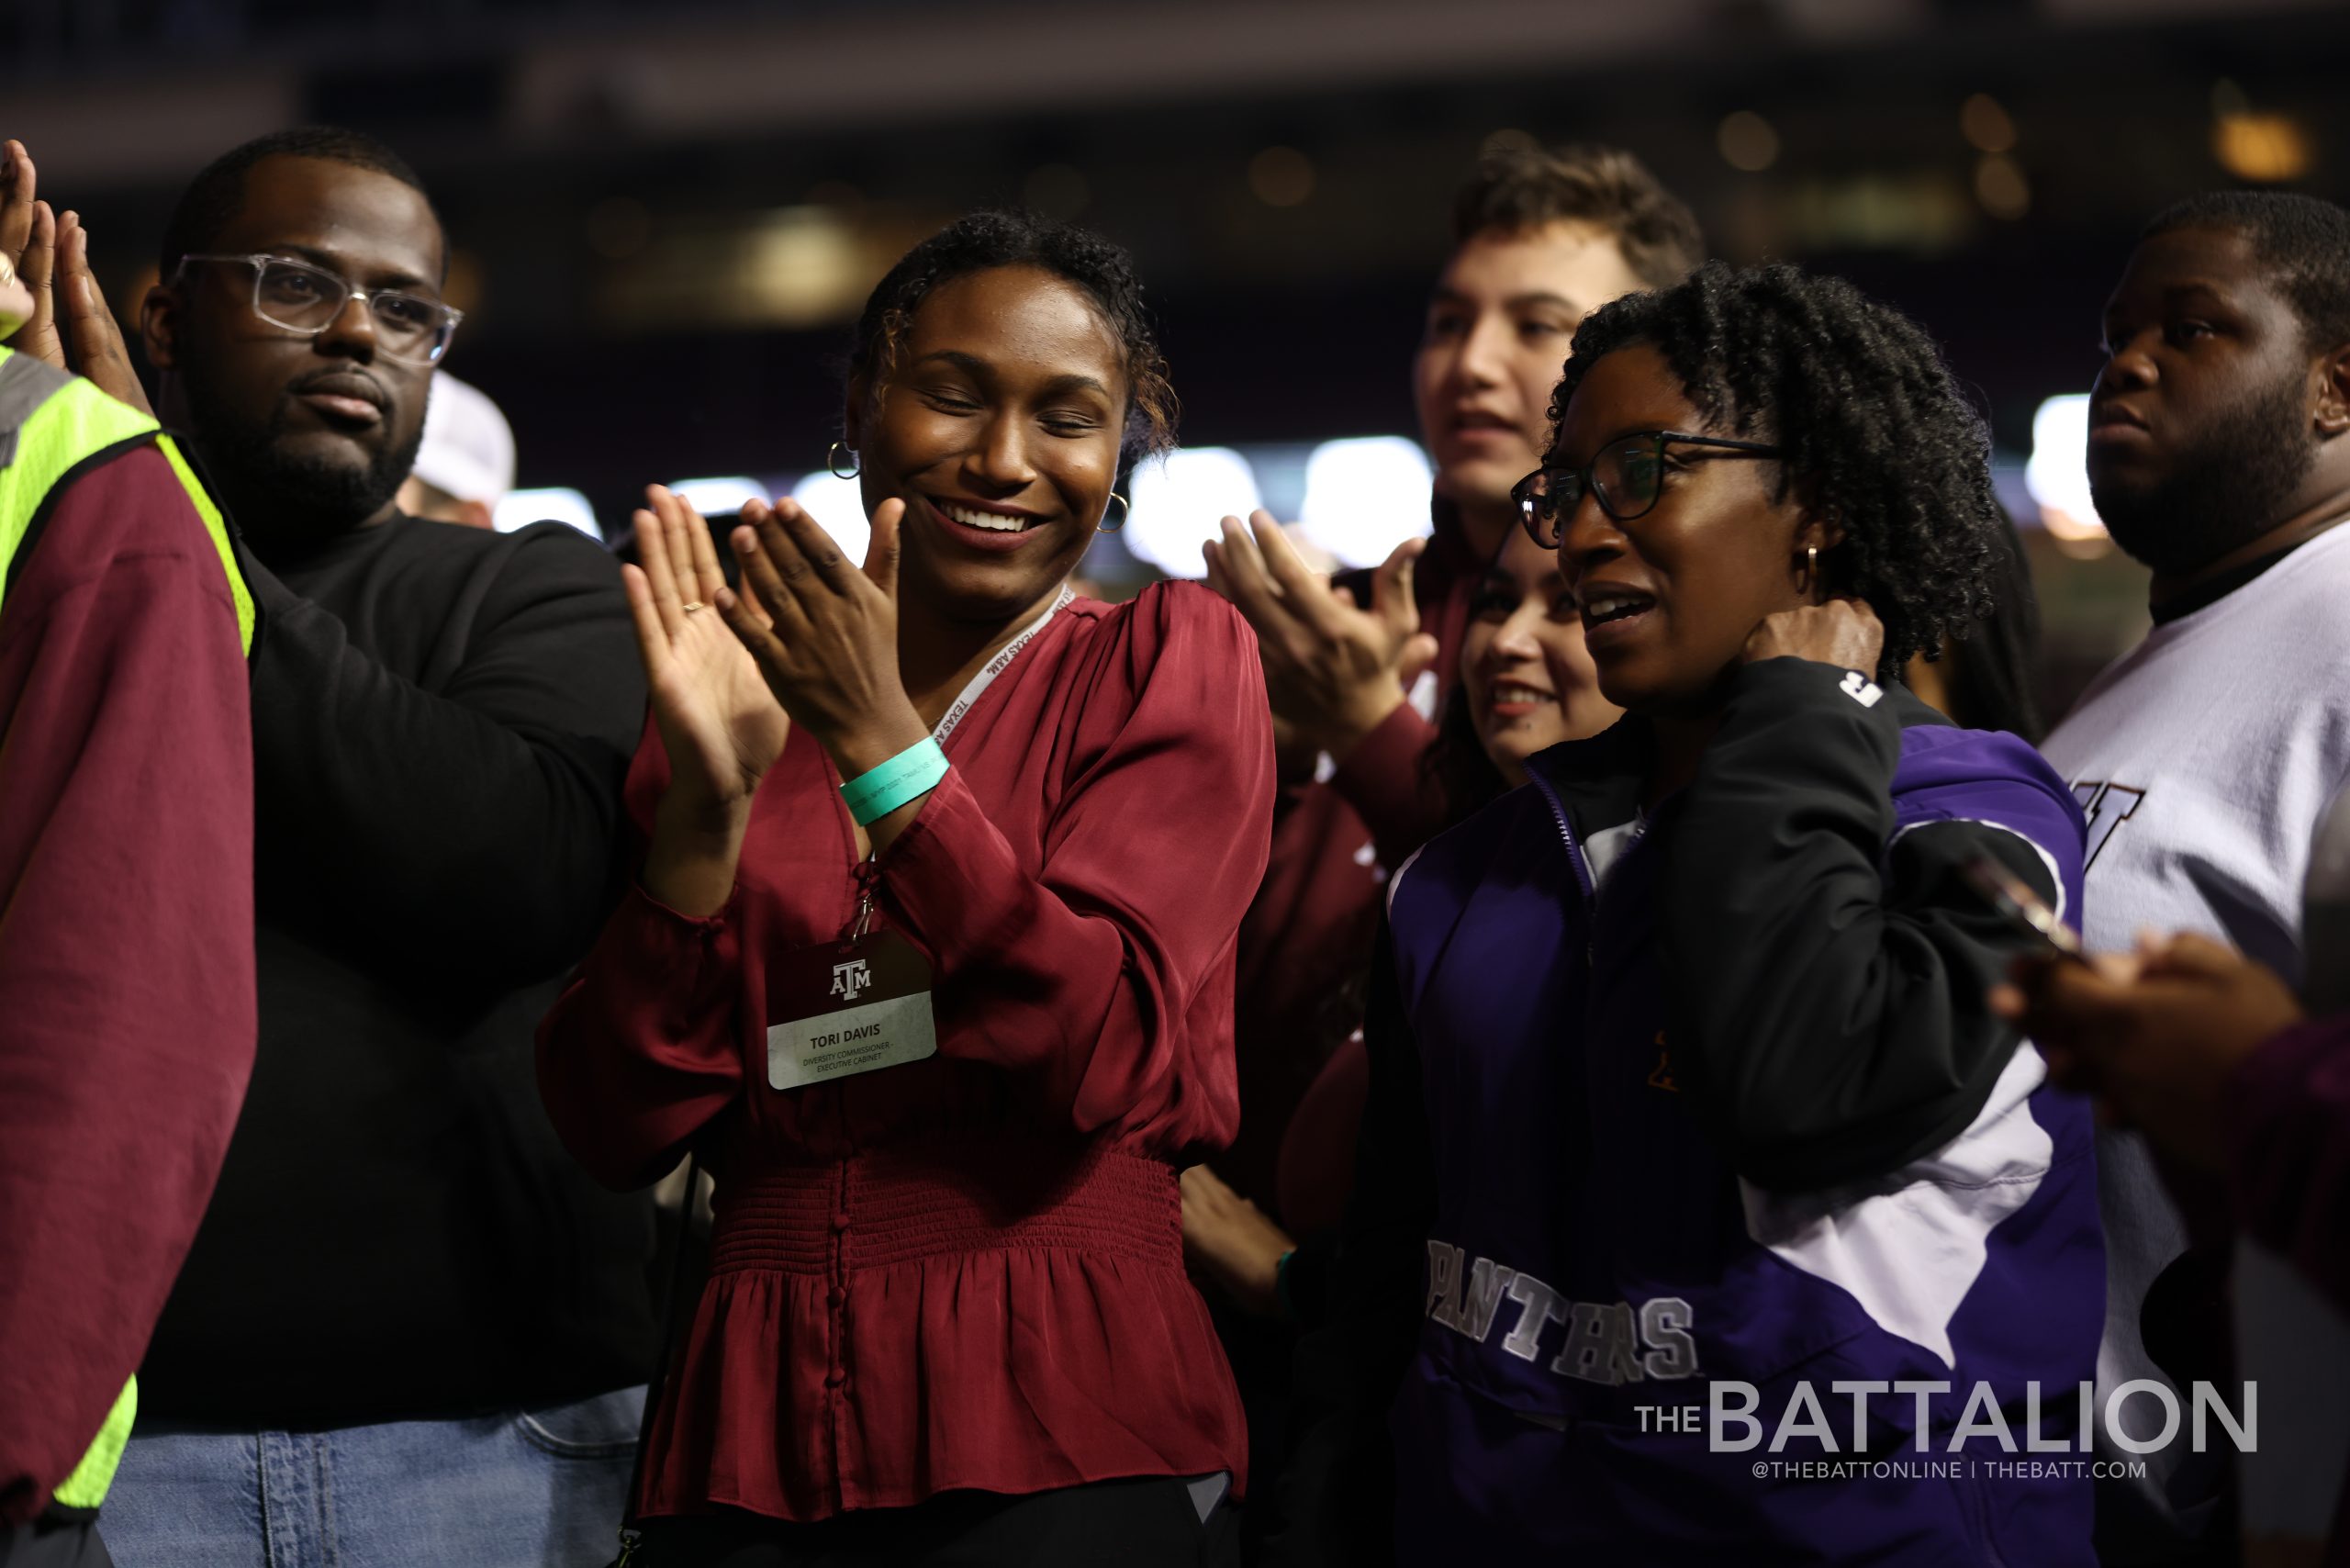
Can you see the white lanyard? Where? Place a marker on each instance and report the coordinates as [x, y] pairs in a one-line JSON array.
[[971, 693], [996, 667]]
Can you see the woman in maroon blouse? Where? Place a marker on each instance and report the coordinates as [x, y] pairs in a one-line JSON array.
[[947, 1318]]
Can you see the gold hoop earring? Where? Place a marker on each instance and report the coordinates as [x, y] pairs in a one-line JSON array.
[[832, 461], [1123, 508], [1810, 570]]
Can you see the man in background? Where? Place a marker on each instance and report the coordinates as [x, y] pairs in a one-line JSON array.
[[466, 465], [409, 1329], [127, 1009], [2219, 456]]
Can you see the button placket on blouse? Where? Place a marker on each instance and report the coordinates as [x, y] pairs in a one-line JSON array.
[[836, 1287], [863, 894]]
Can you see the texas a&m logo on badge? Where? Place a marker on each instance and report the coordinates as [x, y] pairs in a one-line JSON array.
[[839, 1008]]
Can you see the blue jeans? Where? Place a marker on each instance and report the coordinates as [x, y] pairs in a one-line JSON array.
[[521, 1490]]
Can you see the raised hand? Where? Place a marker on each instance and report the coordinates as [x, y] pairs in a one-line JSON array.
[[28, 251], [1334, 669], [1842, 631], [719, 723], [94, 336], [828, 644]]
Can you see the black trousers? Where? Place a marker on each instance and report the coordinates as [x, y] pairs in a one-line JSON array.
[[1145, 1523], [53, 1542]]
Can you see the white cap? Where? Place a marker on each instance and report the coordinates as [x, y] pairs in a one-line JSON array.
[[468, 450]]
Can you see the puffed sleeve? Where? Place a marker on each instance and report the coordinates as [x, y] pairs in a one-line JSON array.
[[639, 1052], [1107, 972]]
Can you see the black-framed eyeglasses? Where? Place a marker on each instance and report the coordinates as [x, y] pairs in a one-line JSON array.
[[1628, 475], [301, 297]]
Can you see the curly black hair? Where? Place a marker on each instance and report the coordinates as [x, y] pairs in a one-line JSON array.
[[1877, 441], [1009, 238]]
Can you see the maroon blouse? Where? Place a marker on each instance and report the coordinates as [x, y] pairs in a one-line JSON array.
[[965, 1271]]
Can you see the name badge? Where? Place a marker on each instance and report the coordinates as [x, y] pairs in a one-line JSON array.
[[850, 1007]]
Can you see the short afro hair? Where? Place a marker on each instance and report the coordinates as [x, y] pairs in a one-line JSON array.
[[213, 197], [1514, 188], [983, 241], [1876, 439], [2305, 244]]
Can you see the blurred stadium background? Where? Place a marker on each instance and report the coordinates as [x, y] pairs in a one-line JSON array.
[[663, 216]]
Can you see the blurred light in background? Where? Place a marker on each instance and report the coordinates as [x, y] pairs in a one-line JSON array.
[[1365, 496], [1925, 213], [558, 504], [838, 507], [802, 267], [2000, 186], [1179, 499], [1281, 176], [795, 267], [1747, 142], [1986, 125], [2058, 474], [2260, 148], [715, 498]]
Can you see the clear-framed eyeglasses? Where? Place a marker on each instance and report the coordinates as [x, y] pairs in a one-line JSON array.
[[302, 297]]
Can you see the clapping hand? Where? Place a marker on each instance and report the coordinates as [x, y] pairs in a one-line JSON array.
[[47, 255], [826, 640], [1334, 669], [721, 726]]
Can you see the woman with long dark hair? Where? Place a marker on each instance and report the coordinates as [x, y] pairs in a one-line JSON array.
[[931, 962], [1685, 1092]]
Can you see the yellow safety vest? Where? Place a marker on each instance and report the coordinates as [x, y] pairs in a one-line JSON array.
[[52, 427]]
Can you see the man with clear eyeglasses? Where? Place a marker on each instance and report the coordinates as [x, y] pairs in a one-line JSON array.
[[409, 1329]]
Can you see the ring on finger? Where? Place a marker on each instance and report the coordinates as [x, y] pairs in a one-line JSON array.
[[690, 608]]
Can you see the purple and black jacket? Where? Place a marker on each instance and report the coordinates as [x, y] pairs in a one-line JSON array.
[[1713, 1098]]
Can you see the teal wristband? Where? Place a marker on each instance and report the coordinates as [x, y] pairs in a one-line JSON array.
[[914, 771]]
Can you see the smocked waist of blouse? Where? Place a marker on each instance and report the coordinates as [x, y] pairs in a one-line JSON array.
[[947, 1196]]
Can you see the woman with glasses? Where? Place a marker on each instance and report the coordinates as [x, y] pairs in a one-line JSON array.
[[1702, 1199], [930, 959]]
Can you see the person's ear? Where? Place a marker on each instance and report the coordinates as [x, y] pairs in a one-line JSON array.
[[159, 323], [2332, 413]]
